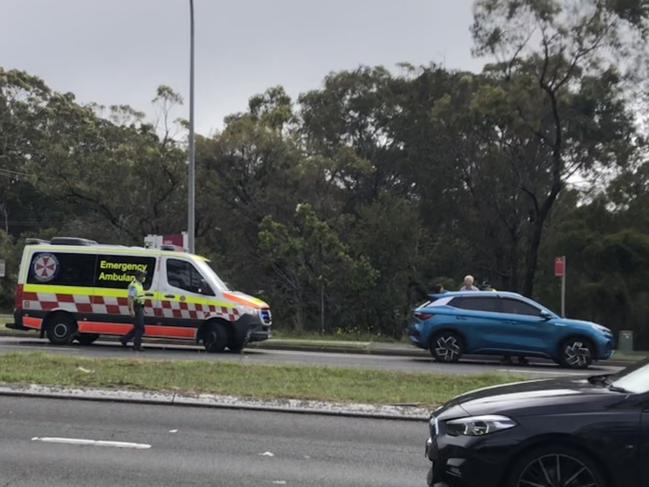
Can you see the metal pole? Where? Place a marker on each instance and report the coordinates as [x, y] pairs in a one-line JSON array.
[[322, 312], [191, 184], [563, 288]]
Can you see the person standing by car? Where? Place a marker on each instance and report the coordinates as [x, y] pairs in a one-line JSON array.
[[468, 284], [438, 288], [136, 310]]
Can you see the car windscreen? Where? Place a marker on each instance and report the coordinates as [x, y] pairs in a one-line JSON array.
[[635, 379], [211, 276]]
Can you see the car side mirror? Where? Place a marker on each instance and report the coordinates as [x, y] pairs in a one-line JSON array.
[[545, 315]]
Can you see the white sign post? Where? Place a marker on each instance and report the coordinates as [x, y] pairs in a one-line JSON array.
[[2, 268]]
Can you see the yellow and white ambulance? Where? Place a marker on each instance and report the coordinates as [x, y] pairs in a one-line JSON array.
[[75, 289]]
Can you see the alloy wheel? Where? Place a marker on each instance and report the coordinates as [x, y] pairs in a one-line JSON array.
[[557, 470], [447, 348], [577, 354]]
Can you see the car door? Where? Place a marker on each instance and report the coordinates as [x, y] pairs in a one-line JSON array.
[[475, 317], [521, 328], [181, 294]]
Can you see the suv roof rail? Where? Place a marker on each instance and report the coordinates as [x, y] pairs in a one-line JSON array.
[[36, 241], [72, 241]]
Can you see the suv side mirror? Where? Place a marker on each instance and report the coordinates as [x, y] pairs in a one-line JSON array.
[[545, 315]]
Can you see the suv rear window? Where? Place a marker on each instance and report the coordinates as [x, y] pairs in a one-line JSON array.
[[477, 304]]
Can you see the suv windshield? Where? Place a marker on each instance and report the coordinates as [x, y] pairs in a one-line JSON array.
[[211, 276]]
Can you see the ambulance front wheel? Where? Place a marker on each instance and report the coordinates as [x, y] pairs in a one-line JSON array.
[[61, 328], [215, 338]]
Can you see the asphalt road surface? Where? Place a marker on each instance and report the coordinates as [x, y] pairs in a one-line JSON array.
[[538, 369], [54, 442]]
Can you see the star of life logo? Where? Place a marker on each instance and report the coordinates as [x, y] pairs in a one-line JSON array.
[[45, 267]]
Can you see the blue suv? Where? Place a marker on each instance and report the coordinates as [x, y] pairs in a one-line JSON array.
[[503, 323]]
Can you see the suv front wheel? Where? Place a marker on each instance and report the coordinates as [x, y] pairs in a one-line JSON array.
[[576, 353]]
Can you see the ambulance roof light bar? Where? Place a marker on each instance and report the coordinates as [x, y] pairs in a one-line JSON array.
[[36, 241], [72, 241]]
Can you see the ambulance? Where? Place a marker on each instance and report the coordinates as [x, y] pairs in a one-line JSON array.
[[76, 289]]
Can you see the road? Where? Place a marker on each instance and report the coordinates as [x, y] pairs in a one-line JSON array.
[[206, 447], [540, 368]]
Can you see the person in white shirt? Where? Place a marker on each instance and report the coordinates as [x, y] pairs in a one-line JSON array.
[[468, 284]]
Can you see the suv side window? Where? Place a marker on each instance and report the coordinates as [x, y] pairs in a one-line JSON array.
[[183, 275], [516, 307], [62, 269], [490, 304]]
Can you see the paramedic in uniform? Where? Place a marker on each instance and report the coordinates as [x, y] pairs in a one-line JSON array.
[[136, 310]]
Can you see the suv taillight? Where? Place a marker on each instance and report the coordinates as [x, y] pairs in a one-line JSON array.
[[19, 297], [423, 316]]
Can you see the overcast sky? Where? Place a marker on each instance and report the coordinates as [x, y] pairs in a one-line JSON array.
[[119, 51]]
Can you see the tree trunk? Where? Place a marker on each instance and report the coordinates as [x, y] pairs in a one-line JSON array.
[[537, 232], [5, 215]]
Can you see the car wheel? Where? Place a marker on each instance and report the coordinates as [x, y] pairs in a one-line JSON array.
[[87, 338], [556, 466], [576, 353], [215, 338], [447, 347], [61, 329], [237, 343]]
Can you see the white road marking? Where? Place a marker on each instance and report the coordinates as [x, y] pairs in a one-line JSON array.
[[279, 482], [267, 454], [82, 442], [173, 431]]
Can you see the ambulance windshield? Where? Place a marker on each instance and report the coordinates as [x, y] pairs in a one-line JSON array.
[[212, 278]]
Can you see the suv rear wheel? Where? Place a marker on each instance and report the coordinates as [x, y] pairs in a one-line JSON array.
[[447, 346]]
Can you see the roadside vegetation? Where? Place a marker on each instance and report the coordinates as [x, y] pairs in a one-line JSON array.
[[342, 206], [247, 381]]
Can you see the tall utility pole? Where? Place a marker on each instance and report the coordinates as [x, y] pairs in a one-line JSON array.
[[191, 184], [563, 288]]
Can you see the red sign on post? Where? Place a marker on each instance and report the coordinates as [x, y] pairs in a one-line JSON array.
[[559, 267]]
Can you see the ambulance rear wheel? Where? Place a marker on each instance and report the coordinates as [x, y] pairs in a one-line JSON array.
[[215, 338], [61, 328], [87, 338]]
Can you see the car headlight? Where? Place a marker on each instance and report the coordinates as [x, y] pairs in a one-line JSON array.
[[478, 425], [603, 330]]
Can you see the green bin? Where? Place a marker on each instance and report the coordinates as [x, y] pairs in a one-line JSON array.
[[625, 342]]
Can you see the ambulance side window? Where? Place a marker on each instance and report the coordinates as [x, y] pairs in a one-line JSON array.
[[62, 269], [183, 275]]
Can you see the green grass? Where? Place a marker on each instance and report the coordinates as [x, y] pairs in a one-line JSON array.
[[248, 381], [4, 331], [339, 335]]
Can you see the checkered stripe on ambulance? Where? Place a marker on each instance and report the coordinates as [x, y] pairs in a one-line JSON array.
[[70, 292]]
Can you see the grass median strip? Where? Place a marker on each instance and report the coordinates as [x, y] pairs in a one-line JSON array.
[[243, 380]]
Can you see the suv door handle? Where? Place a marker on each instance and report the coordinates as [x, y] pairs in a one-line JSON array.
[[169, 296]]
